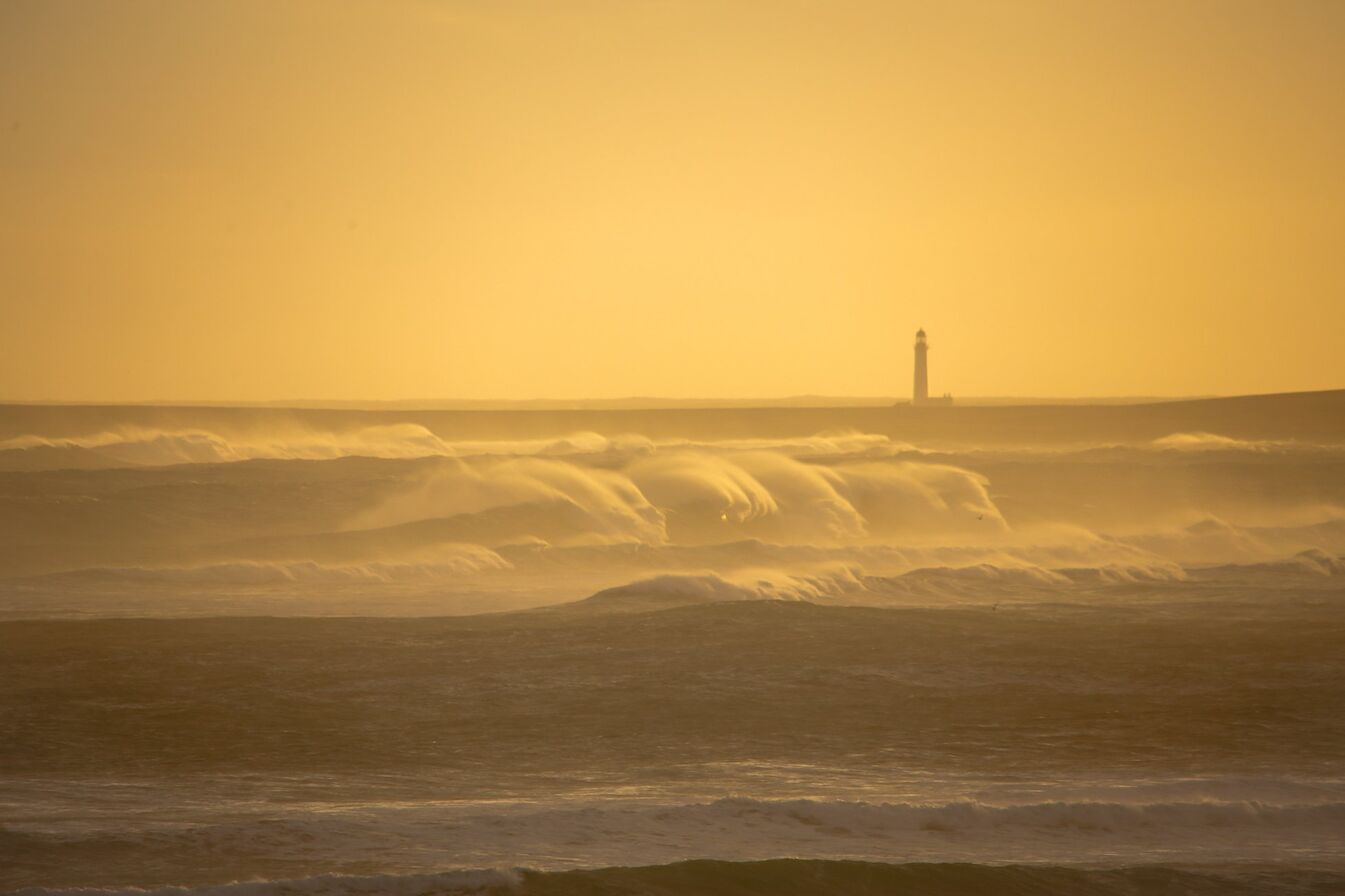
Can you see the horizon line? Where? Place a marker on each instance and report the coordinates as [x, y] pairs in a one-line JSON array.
[[632, 402]]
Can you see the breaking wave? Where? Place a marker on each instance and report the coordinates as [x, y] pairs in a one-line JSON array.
[[454, 560], [137, 446], [738, 841], [705, 497], [143, 446], [843, 585], [1208, 441], [748, 584], [133, 445], [447, 882], [682, 519]]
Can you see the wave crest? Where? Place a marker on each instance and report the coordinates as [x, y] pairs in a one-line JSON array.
[[446, 882], [445, 561]]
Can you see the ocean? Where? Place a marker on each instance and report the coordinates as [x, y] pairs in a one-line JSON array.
[[955, 650]]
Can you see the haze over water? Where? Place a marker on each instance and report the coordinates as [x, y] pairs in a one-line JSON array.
[[339, 553], [249, 643]]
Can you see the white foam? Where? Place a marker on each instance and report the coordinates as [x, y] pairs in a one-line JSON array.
[[448, 882]]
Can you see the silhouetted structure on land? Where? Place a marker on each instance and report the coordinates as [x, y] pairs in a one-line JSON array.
[[920, 393]]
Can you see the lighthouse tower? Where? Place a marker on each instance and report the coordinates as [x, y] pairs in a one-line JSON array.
[[921, 393]]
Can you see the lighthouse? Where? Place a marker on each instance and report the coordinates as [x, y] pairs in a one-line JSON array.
[[920, 394], [920, 390]]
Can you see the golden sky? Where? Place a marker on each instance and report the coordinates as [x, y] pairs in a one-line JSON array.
[[498, 199]]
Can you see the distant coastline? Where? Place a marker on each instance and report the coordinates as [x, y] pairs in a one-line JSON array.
[[1317, 417]]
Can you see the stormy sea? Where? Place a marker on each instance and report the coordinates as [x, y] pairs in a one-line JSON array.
[[943, 650]]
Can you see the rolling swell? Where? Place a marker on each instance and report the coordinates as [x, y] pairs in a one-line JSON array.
[[782, 877], [571, 834], [821, 878]]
